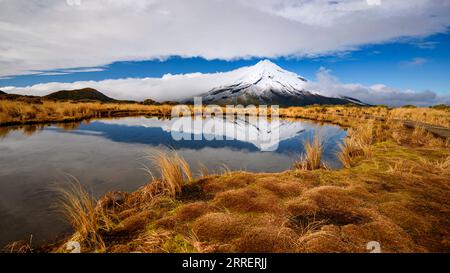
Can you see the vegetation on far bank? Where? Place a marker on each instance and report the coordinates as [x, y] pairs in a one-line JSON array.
[[19, 112], [38, 110], [394, 189]]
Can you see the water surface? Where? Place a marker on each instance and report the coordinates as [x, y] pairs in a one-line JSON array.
[[106, 155]]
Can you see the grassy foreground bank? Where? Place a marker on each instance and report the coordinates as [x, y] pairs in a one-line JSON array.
[[394, 189]]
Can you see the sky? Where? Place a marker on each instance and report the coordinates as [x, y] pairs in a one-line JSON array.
[[376, 49]]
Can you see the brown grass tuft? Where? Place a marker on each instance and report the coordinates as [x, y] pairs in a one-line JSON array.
[[248, 200], [282, 188], [80, 210], [20, 246], [192, 211], [174, 171], [311, 159], [357, 144], [219, 227], [269, 239]]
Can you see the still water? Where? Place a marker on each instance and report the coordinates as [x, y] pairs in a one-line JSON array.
[[106, 155]]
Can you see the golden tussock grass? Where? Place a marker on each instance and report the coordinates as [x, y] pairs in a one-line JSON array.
[[268, 239], [96, 222], [311, 159], [357, 144], [247, 200], [50, 111], [88, 222], [19, 112], [355, 115], [397, 196], [174, 171], [426, 115], [20, 246]]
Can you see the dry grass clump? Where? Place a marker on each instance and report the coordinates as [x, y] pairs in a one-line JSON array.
[[235, 181], [268, 239], [219, 227], [354, 238], [357, 144], [20, 246], [248, 199], [391, 236], [192, 211], [96, 223], [311, 159], [443, 165], [174, 171], [282, 188], [80, 210], [347, 153], [181, 216], [330, 204], [324, 240]]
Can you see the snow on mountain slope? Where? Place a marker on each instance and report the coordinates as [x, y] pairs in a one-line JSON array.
[[266, 76], [266, 83]]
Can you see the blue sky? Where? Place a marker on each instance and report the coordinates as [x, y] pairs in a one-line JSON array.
[[376, 50], [417, 64]]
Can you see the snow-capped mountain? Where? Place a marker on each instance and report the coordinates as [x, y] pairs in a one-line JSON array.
[[267, 83]]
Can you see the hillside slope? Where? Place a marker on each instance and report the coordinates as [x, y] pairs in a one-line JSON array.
[[80, 94]]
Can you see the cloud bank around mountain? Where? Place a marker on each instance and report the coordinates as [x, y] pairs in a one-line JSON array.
[[329, 85], [182, 86], [38, 36]]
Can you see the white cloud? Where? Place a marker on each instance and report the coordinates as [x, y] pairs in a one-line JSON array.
[[168, 87], [51, 35], [178, 87], [329, 85], [52, 73], [83, 70]]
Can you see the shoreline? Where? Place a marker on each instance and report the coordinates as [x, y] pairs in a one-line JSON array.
[[436, 122]]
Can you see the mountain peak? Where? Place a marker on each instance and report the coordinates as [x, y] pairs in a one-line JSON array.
[[266, 76], [266, 83], [267, 64]]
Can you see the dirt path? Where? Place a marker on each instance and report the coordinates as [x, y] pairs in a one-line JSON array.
[[440, 131]]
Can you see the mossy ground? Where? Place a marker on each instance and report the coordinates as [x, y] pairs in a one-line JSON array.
[[399, 196]]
